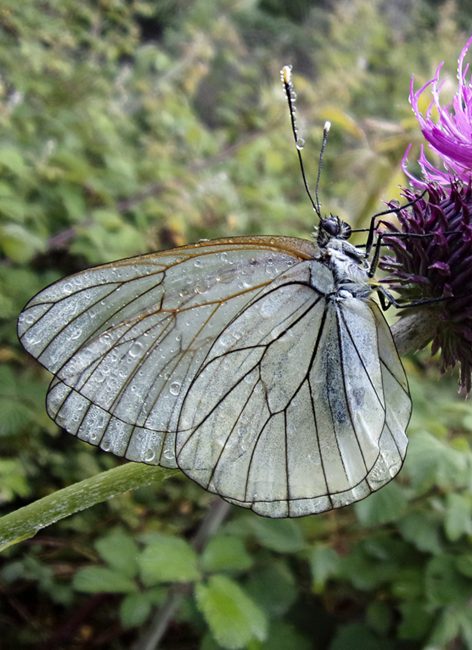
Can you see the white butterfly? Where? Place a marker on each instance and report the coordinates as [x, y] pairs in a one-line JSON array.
[[259, 366]]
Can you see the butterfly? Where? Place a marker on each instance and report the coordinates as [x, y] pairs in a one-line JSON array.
[[260, 366]]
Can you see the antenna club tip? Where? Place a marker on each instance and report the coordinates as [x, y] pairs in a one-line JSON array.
[[286, 74], [327, 126]]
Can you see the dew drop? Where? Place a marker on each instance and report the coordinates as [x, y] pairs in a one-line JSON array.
[[174, 388], [149, 456], [75, 334], [300, 143], [135, 349]]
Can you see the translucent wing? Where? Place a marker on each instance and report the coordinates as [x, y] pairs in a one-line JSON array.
[[222, 359], [125, 340], [304, 410]]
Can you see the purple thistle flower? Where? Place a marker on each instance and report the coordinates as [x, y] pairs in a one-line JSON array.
[[438, 265], [451, 135]]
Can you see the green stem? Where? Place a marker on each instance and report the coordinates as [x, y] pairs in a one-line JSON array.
[[25, 522]]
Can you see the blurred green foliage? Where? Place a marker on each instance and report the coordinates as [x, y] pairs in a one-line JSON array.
[[133, 125]]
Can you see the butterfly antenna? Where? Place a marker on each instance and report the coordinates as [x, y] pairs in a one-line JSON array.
[[324, 142], [286, 77]]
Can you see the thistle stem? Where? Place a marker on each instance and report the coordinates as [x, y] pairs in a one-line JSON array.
[[414, 329]]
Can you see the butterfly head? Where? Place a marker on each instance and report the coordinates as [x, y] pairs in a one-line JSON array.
[[332, 227]]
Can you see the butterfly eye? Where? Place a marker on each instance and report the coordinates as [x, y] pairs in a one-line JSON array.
[[335, 227]]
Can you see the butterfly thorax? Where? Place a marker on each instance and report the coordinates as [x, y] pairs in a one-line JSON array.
[[338, 265]]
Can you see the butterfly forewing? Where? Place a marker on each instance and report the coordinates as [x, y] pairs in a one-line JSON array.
[[126, 339]]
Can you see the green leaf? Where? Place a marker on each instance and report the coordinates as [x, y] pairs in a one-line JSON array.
[[12, 159], [19, 243], [120, 552], [95, 580], [355, 635], [281, 535], [13, 481], [458, 520], [464, 564], [382, 507], [234, 619], [416, 620], [283, 636], [15, 415], [134, 609], [168, 559], [407, 583], [324, 563], [273, 587], [446, 628], [365, 572], [379, 617], [225, 553], [422, 529], [430, 462], [443, 584]]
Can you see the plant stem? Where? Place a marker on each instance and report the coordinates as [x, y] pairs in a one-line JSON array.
[[154, 633], [414, 329], [27, 521]]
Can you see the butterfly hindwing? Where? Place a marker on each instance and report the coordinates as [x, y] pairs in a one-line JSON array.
[[298, 420]]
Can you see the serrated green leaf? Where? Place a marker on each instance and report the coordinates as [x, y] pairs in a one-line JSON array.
[[273, 587], [168, 559], [464, 564], [18, 243], [365, 572], [458, 520], [134, 610], [416, 620], [234, 619], [12, 159], [95, 580], [382, 507], [12, 480], [430, 462], [422, 529], [324, 563], [120, 552], [281, 535], [446, 628], [225, 553], [407, 583], [443, 584], [355, 635], [14, 415], [379, 617], [283, 636]]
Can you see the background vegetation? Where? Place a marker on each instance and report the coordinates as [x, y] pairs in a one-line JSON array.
[[134, 125]]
